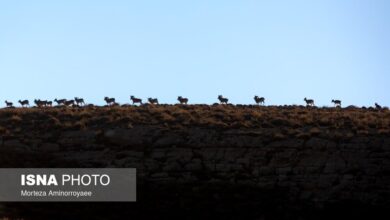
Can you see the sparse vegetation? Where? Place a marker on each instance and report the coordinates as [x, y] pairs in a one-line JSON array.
[[298, 120]]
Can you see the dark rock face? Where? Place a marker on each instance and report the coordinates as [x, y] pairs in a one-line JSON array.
[[194, 172]]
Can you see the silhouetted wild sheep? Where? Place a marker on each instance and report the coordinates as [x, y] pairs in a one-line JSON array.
[[336, 102], [44, 103], [259, 100], [9, 104], [223, 100], [136, 100], [377, 106], [24, 103], [60, 102], [79, 101], [309, 102], [182, 100], [69, 103], [39, 103], [153, 101], [109, 101]]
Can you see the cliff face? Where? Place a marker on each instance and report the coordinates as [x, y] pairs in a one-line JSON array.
[[213, 161]]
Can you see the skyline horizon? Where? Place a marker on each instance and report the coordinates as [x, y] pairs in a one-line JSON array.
[[16, 103]]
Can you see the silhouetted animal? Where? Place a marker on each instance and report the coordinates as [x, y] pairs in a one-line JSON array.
[[377, 106], [223, 100], [9, 104], [309, 102], [79, 101], [259, 100], [336, 102], [69, 103], [182, 100], [48, 103], [60, 102], [39, 103], [136, 100], [153, 101], [109, 101], [24, 103]]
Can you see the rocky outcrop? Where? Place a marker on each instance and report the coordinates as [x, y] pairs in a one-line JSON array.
[[237, 171]]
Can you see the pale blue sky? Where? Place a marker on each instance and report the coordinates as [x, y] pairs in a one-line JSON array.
[[283, 50]]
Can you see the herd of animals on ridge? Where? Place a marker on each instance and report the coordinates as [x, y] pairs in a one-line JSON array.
[[77, 102]]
